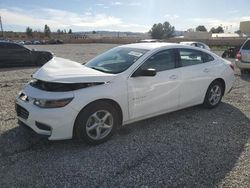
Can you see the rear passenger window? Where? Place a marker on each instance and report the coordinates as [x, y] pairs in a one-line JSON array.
[[161, 61], [14, 46], [190, 57], [246, 45]]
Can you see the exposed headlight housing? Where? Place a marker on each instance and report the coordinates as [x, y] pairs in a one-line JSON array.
[[52, 103]]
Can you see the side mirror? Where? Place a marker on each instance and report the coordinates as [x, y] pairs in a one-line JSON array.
[[144, 72]]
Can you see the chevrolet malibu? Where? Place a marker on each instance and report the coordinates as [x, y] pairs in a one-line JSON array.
[[66, 99]]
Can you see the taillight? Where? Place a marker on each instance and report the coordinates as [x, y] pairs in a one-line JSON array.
[[238, 56], [232, 66]]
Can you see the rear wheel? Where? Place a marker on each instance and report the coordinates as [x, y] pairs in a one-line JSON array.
[[96, 123], [213, 95]]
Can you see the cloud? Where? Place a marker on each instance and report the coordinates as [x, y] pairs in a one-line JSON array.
[[55, 19], [116, 3], [233, 11], [134, 4], [171, 17]]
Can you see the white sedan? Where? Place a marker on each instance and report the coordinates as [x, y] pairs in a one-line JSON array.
[[128, 83]]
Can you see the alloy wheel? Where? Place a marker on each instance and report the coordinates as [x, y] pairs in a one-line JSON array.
[[99, 124], [215, 95]]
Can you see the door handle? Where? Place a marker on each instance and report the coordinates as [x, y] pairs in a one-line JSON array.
[[173, 77], [206, 70]]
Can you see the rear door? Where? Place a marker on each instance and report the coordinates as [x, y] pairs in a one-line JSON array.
[[197, 68], [245, 52]]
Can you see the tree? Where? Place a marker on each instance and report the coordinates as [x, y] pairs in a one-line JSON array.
[[217, 30], [29, 32], [190, 30], [70, 31], [160, 31], [220, 29], [47, 31], [201, 28], [168, 30]]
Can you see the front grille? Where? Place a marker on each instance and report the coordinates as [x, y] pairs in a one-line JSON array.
[[22, 112]]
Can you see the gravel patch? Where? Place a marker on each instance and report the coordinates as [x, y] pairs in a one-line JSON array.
[[194, 147]]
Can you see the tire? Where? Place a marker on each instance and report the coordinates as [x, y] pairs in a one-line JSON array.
[[213, 95], [96, 123]]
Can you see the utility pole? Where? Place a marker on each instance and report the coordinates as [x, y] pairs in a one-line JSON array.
[[1, 25]]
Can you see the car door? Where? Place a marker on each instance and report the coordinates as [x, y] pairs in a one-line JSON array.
[[149, 95], [18, 55], [197, 69], [245, 52]]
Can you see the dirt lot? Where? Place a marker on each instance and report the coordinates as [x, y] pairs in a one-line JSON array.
[[194, 147]]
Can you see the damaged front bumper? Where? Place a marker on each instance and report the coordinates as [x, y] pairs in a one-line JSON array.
[[54, 123]]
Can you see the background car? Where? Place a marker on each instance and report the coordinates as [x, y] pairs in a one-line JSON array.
[[13, 55], [196, 44], [231, 52], [243, 57], [123, 85], [55, 41]]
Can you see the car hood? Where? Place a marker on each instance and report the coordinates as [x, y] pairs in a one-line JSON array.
[[66, 71]]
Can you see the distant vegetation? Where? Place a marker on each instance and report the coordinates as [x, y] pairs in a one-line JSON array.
[[217, 30], [162, 31], [46, 33], [201, 28], [29, 32]]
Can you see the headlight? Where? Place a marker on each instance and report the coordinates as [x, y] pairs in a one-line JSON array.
[[47, 103]]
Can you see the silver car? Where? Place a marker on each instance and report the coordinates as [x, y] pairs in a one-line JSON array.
[[243, 57], [196, 44]]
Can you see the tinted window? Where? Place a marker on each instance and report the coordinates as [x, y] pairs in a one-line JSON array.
[[190, 57], [15, 46], [246, 45], [161, 61]]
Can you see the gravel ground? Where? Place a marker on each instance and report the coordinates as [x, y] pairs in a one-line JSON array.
[[194, 147]]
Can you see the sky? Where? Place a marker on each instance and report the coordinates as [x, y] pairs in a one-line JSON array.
[[122, 15]]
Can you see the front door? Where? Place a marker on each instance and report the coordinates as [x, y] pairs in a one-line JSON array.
[[149, 95]]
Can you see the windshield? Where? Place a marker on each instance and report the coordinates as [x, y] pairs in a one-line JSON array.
[[116, 60]]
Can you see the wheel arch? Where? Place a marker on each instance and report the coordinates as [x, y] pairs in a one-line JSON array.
[[110, 101], [222, 82]]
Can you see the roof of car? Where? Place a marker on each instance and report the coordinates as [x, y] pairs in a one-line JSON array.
[[149, 46], [7, 42], [189, 42]]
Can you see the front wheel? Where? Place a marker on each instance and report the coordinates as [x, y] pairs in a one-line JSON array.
[[96, 123], [213, 95]]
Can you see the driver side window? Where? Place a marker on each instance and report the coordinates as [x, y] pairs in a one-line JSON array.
[[161, 61]]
